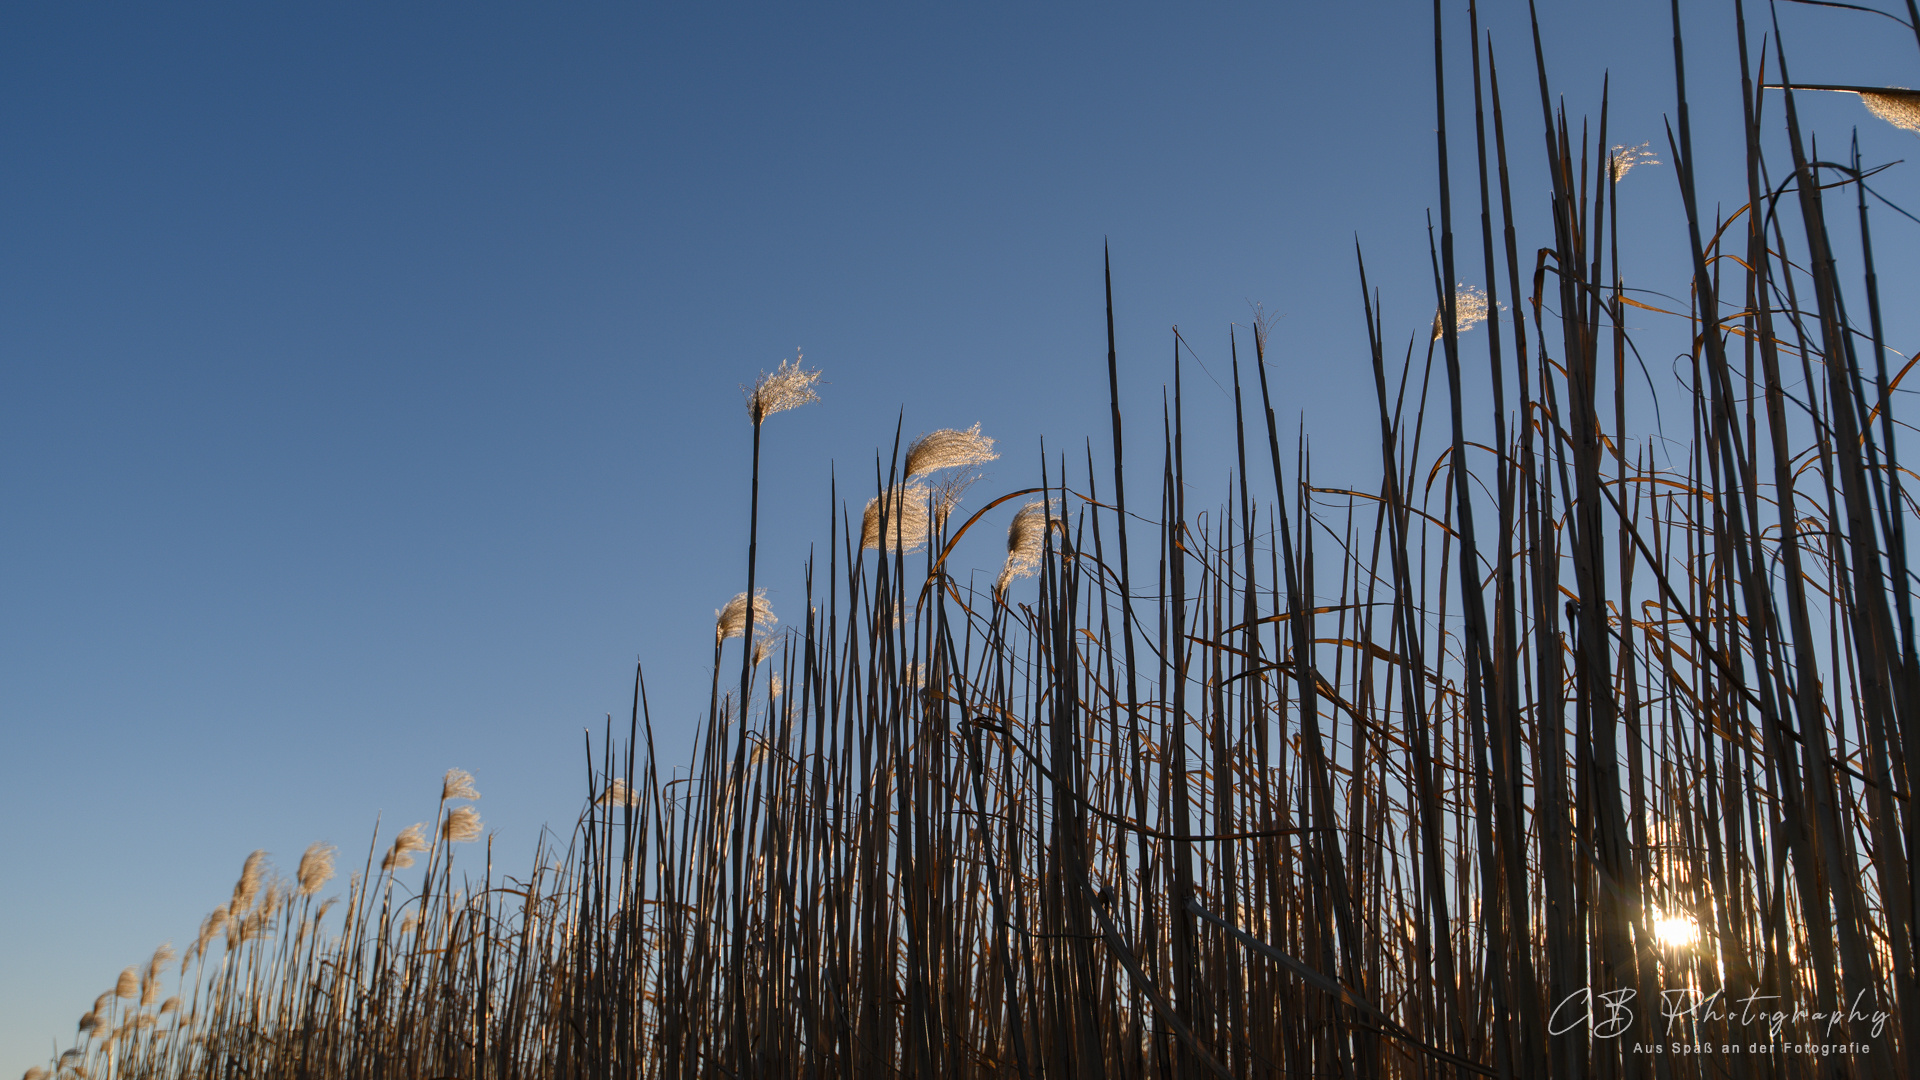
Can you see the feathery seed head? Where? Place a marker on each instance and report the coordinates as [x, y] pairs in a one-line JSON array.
[[458, 785], [1470, 310], [618, 794], [409, 922], [316, 868], [1896, 105], [88, 1023], [128, 985], [1624, 158], [774, 687], [908, 520], [35, 1073], [463, 824], [731, 620], [149, 990], [400, 856], [1026, 543], [948, 448], [762, 649], [248, 886], [162, 956], [172, 1004], [787, 387]]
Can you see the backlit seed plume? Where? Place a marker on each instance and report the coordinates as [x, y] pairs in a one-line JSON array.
[[618, 794], [400, 856], [1470, 310], [172, 1004], [774, 687], [787, 387], [162, 956], [908, 520], [149, 991], [458, 785], [1026, 543], [215, 921], [1624, 158], [463, 825], [731, 620], [409, 921], [100, 1003], [316, 868], [1896, 105], [129, 985], [947, 449], [248, 886]]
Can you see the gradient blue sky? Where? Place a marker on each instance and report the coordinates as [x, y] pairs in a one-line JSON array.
[[369, 373]]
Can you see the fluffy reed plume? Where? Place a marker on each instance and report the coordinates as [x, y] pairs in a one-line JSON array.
[[731, 620], [210, 926], [1470, 310], [787, 387], [149, 990], [400, 856], [774, 687], [1896, 105], [1026, 542], [316, 867], [172, 1004], [88, 1022], [908, 519], [1624, 158], [35, 1073], [762, 649], [618, 794], [948, 448], [463, 825], [458, 785], [248, 886], [128, 986], [409, 922]]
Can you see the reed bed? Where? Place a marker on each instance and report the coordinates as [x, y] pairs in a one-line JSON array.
[[1543, 752]]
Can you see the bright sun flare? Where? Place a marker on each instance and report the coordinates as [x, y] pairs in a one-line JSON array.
[[1675, 931]]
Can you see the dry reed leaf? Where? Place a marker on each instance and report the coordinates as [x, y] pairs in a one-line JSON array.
[[731, 620], [787, 387], [316, 868], [458, 785], [948, 448]]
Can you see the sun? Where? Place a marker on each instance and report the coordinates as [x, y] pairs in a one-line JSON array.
[[1676, 931]]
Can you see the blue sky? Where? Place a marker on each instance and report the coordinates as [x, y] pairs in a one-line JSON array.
[[369, 375]]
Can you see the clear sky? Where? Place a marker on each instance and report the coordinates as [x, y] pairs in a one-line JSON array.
[[369, 374]]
